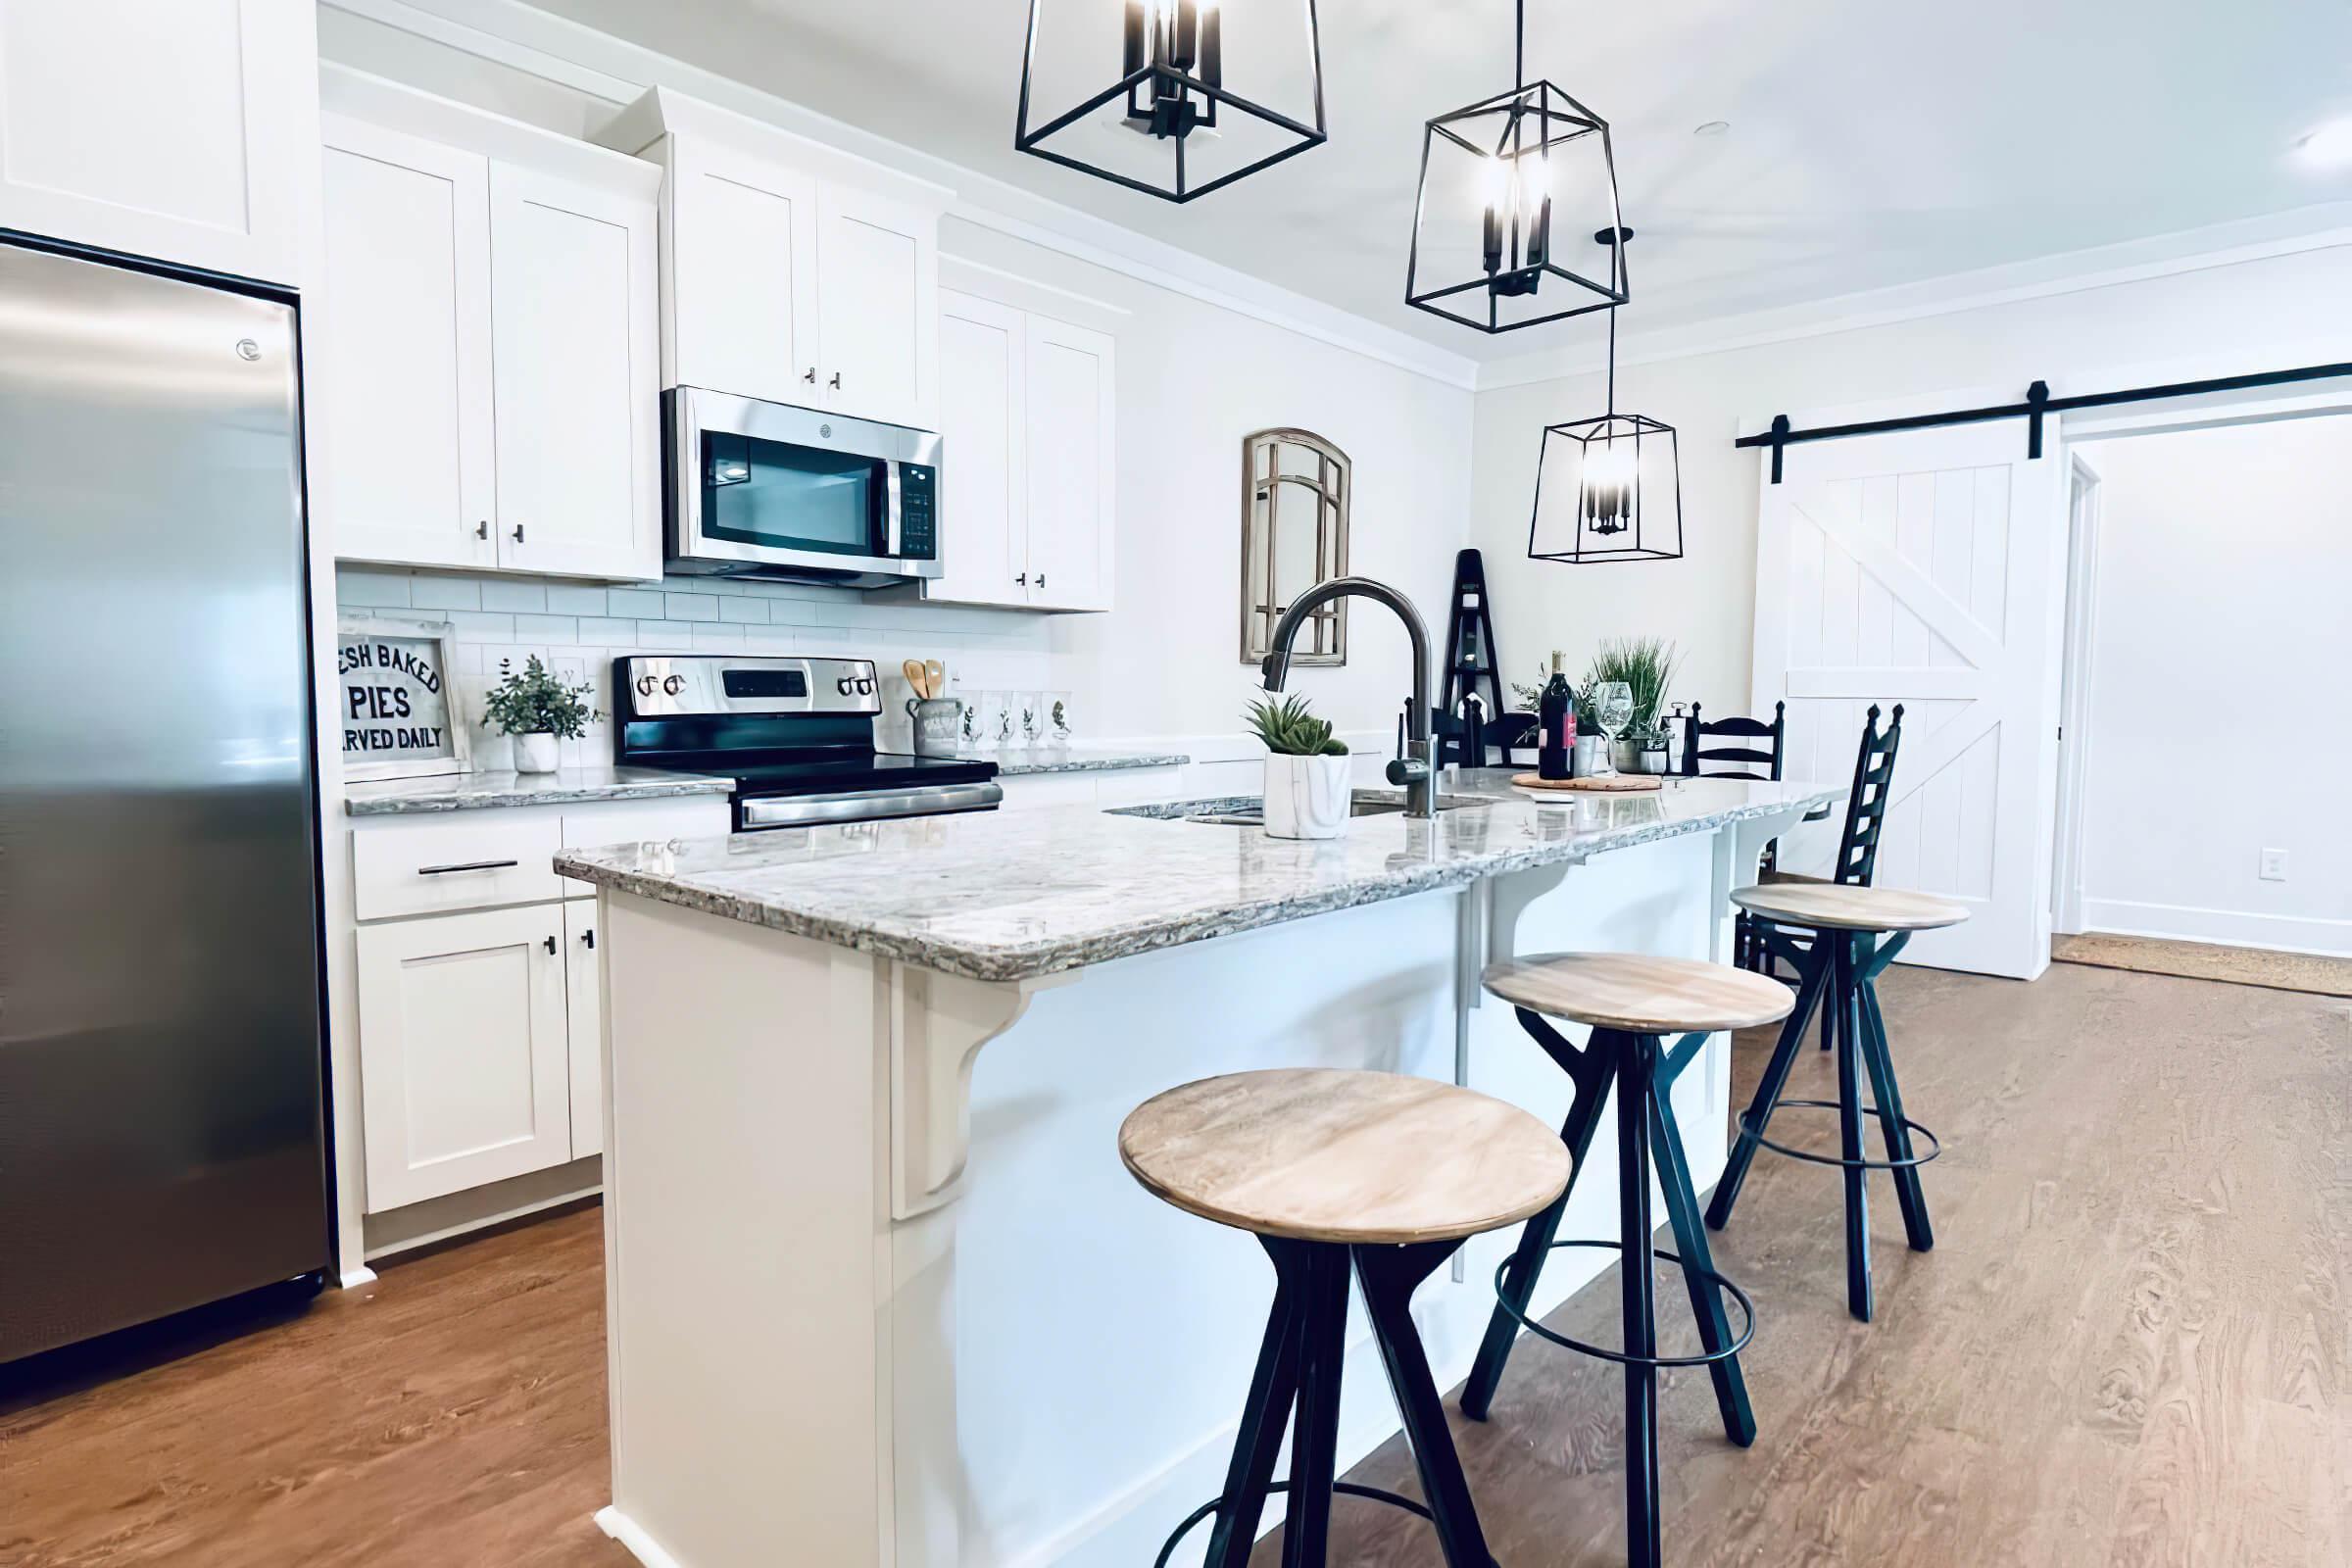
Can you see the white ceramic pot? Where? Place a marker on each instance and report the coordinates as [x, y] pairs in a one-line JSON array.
[[535, 752], [1308, 797], [1586, 758]]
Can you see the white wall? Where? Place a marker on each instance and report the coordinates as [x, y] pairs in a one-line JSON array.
[[1193, 379], [2254, 315], [2221, 647]]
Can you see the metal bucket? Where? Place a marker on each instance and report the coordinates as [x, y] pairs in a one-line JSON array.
[[938, 725]]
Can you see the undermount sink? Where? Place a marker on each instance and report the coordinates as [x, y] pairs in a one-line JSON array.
[[1249, 810]]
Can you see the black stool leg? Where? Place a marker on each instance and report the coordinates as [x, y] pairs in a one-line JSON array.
[[1768, 1092], [1848, 1010], [1314, 1441], [1636, 1058], [1266, 1415], [1591, 1072], [1691, 1242], [1908, 1190], [1388, 1275]]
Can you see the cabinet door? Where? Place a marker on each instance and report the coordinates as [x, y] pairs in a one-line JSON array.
[[878, 289], [465, 1069], [573, 298], [743, 269], [405, 326], [984, 529], [176, 131], [584, 993], [1072, 442]]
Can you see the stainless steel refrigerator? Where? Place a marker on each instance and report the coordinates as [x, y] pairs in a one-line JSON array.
[[161, 1129]]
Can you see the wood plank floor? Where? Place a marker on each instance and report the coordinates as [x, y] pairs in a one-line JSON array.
[[2129, 1347]]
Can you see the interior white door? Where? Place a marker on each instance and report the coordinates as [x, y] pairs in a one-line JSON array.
[[878, 289], [742, 238], [1927, 567], [405, 319], [983, 420], [464, 1074], [584, 996], [572, 300], [1072, 443]]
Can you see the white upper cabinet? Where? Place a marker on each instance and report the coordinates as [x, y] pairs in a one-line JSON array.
[[572, 283], [180, 131], [1029, 462], [406, 321], [791, 274], [490, 331]]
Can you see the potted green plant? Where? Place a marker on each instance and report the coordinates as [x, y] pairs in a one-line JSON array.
[[1307, 793], [537, 709], [1647, 664]]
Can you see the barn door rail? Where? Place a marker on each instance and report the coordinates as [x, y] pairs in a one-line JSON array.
[[2037, 406]]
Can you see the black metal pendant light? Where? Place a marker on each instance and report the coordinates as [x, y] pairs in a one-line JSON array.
[[1492, 177], [1615, 483], [1206, 92]]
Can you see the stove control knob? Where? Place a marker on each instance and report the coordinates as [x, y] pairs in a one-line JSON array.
[[865, 687], [673, 684], [645, 685], [845, 685]]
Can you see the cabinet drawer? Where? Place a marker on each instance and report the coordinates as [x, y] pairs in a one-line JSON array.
[[472, 861]]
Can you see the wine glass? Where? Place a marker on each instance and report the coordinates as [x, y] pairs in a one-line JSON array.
[[1612, 710]]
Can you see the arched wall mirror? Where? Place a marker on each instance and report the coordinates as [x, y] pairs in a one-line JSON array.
[[1294, 493]]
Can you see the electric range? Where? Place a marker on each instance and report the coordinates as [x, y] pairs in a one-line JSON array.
[[797, 735]]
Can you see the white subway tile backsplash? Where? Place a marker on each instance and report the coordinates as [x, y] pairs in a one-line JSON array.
[[445, 593], [482, 627], [547, 629], [598, 630], [714, 638], [689, 607], [666, 635], [514, 593], [636, 604], [747, 612], [572, 599], [356, 589]]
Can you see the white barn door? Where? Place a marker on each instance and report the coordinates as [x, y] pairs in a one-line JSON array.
[[1927, 567]]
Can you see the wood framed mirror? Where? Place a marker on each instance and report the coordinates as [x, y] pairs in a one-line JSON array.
[[1295, 488]]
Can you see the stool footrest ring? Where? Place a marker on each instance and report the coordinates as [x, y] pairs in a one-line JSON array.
[[1747, 1307], [1935, 1143], [1346, 1488]]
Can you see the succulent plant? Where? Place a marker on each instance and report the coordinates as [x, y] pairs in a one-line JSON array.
[[1290, 730]]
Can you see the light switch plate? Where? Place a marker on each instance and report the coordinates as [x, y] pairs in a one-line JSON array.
[[2273, 865]]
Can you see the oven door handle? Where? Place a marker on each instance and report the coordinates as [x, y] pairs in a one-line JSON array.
[[869, 805]]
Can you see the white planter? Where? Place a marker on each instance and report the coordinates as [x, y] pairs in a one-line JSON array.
[[535, 752], [1308, 797]]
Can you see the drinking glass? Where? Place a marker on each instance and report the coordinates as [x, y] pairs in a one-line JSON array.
[[1613, 709], [1059, 730], [994, 720], [969, 730], [1032, 712]]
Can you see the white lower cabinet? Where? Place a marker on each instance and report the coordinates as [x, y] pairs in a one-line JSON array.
[[466, 1049]]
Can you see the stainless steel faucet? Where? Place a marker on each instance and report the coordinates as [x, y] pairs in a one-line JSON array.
[[1415, 770]]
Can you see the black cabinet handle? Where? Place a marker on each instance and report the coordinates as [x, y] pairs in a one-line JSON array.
[[811, 378], [589, 936], [1041, 579], [551, 947], [481, 529], [519, 533], [836, 381], [468, 865], [1023, 579]]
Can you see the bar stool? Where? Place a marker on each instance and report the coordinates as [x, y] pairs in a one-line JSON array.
[[1329, 1168], [1856, 933], [1632, 1003]]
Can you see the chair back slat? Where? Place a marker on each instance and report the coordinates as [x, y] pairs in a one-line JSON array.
[[1700, 760], [1873, 791]]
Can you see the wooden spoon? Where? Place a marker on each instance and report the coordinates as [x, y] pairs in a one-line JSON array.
[[937, 674], [916, 677]]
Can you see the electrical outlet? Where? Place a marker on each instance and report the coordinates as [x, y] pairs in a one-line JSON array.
[[2273, 865]]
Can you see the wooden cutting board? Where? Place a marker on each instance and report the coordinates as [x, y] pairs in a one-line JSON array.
[[1613, 784]]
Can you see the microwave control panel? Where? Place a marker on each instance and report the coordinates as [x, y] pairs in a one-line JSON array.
[[918, 512]]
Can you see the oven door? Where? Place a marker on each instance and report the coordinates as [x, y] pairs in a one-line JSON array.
[[765, 489]]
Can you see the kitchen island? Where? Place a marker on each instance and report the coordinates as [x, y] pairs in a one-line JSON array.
[[878, 1295]]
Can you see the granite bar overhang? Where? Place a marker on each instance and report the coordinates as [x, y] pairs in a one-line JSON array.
[[1013, 896]]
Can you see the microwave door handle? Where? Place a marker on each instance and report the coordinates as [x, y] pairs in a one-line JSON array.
[[890, 522]]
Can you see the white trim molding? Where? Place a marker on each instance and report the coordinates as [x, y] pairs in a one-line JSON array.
[[2236, 928]]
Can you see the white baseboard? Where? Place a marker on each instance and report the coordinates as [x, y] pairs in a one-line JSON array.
[[353, 1278], [642, 1546], [2237, 928]]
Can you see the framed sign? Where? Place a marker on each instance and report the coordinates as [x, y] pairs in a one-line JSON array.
[[400, 717]]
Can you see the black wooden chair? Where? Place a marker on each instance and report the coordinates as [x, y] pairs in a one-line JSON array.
[[1750, 744], [1857, 849]]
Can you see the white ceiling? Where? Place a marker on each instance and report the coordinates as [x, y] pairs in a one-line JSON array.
[[1870, 144]]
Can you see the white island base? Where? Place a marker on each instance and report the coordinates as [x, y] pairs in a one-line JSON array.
[[842, 1337]]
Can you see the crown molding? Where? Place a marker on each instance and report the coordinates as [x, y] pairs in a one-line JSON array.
[[614, 70], [2303, 229]]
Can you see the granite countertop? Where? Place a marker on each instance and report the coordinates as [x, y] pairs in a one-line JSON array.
[[467, 792], [1011, 895], [1073, 759]]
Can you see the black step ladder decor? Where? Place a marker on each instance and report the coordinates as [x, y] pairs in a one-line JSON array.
[[1471, 715]]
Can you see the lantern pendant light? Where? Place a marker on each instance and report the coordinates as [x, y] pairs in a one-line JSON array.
[[1615, 482], [1171, 110], [1515, 157]]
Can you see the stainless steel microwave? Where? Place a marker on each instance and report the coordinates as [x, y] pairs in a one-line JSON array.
[[766, 490]]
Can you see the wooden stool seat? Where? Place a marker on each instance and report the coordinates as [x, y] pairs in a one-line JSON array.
[[1356, 1157], [1847, 906], [1638, 994]]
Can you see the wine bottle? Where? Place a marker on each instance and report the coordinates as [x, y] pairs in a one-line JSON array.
[[1556, 719]]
